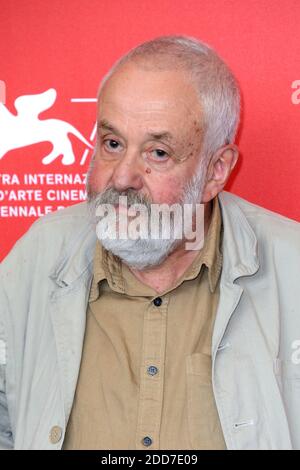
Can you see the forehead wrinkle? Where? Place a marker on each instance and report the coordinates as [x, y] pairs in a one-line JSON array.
[[163, 105], [155, 135], [152, 125]]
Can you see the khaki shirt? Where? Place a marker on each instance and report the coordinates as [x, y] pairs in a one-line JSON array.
[[145, 375]]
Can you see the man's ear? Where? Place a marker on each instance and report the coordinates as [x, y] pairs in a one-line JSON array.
[[220, 166]]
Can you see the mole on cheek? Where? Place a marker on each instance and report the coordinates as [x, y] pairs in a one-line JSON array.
[[148, 170]]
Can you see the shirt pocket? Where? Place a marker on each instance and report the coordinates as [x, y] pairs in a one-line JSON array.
[[203, 420]]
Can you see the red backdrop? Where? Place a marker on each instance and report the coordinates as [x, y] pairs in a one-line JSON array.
[[66, 46]]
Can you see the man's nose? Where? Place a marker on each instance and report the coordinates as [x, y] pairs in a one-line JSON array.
[[128, 172]]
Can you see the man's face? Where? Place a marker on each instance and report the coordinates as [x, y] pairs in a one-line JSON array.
[[149, 138], [148, 148]]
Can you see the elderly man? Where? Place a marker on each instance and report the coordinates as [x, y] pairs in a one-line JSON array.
[[110, 342]]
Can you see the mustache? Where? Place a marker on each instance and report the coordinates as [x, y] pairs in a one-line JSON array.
[[111, 196]]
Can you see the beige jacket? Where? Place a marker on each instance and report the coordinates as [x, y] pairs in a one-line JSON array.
[[44, 290]]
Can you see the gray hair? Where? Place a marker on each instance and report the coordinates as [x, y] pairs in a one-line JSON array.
[[215, 84]]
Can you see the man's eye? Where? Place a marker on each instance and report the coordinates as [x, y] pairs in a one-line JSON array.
[[159, 154], [111, 145]]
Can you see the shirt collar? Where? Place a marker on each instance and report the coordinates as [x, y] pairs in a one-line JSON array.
[[211, 253]]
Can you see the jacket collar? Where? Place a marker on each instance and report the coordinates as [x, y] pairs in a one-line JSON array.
[[78, 255], [240, 258], [240, 247]]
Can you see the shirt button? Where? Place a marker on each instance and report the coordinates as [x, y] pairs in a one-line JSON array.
[[55, 434], [147, 441], [157, 302], [152, 370]]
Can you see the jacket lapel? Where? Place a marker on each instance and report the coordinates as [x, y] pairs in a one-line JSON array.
[[68, 305], [240, 259]]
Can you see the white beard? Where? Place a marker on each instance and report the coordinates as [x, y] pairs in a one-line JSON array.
[[142, 253]]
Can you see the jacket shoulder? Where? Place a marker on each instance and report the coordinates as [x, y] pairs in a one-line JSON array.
[[61, 220], [266, 224], [68, 215], [49, 236]]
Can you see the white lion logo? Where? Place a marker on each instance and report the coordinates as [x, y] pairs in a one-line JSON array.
[[26, 128]]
